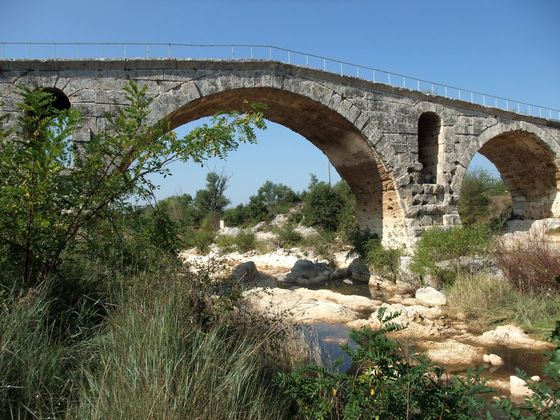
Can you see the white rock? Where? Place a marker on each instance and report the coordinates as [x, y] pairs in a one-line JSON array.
[[430, 296], [493, 359], [510, 335], [305, 305], [451, 352], [347, 281], [518, 388]]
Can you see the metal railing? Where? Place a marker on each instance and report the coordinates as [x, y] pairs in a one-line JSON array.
[[160, 50]]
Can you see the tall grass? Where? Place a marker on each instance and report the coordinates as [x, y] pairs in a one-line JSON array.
[[36, 371], [168, 348], [488, 300], [154, 362]]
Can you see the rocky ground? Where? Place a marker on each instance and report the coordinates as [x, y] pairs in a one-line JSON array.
[[295, 284]]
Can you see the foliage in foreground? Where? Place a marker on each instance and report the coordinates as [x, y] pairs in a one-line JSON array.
[[386, 384], [45, 205]]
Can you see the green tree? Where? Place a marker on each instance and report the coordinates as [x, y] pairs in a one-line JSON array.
[[272, 199], [45, 205], [212, 199], [322, 206]]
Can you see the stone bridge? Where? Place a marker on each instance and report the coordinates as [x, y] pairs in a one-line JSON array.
[[404, 153]]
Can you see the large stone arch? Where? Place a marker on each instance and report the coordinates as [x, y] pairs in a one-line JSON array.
[[309, 109], [528, 159]]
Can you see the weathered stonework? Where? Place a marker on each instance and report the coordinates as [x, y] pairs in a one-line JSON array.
[[369, 131]]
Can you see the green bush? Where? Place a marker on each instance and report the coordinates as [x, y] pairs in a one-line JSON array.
[[244, 241], [437, 244], [385, 261], [288, 237], [484, 200], [322, 206], [385, 384]]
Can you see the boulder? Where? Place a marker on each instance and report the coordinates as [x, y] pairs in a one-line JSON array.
[[245, 272], [306, 305], [518, 389], [510, 335], [430, 297], [359, 271], [307, 273], [451, 352]]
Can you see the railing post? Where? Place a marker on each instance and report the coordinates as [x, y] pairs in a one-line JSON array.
[[418, 85], [445, 88], [373, 75], [404, 82], [459, 92], [341, 69], [306, 60], [484, 100], [270, 54], [289, 58], [251, 53], [389, 78], [324, 65]]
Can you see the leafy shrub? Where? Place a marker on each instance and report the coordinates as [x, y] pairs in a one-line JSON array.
[[288, 237], [347, 221], [484, 200], [202, 239], [385, 261], [237, 216], [323, 245], [385, 384], [322, 206], [530, 263], [437, 244], [244, 241]]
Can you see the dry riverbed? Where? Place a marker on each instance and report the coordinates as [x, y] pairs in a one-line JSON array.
[[331, 311]]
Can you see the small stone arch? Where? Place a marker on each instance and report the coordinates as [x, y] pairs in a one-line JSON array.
[[429, 127], [528, 160]]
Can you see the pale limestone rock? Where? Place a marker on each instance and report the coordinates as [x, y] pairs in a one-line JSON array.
[[510, 335], [493, 359], [430, 296], [518, 388], [305, 305], [451, 352]]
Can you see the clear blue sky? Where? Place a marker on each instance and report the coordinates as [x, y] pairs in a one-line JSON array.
[[507, 48]]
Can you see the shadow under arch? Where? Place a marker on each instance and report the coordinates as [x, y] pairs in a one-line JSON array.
[[528, 165], [379, 208]]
